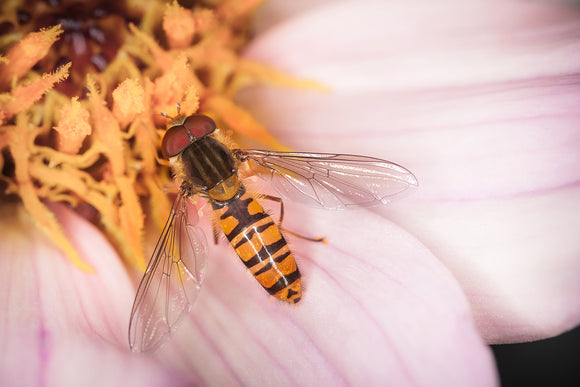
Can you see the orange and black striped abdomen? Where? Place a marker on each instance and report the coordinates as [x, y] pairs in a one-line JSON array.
[[259, 243]]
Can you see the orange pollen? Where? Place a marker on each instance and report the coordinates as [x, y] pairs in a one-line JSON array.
[[73, 126]]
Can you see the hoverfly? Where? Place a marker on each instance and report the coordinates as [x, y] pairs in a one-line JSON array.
[[209, 169]]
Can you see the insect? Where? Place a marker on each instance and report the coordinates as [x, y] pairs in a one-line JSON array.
[[208, 168]]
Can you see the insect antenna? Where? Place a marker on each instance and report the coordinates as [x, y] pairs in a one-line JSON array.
[[178, 105], [166, 116]]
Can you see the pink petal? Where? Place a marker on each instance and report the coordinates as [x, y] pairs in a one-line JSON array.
[[59, 325], [377, 308], [479, 100], [374, 310]]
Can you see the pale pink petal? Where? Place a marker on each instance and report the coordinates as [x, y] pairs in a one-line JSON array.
[[384, 311], [60, 326], [377, 308], [480, 100]]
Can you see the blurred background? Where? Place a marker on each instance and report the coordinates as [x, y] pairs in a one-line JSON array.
[[550, 362]]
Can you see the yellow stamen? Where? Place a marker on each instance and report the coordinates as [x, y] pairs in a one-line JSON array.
[[190, 56], [72, 127], [179, 25], [20, 145], [24, 96], [240, 120], [26, 53], [129, 101]]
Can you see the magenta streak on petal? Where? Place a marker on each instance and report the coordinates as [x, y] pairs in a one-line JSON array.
[[290, 373], [335, 367], [87, 318], [402, 363], [516, 195], [215, 349], [460, 93], [183, 355], [255, 339], [377, 269], [45, 349], [441, 128], [43, 334]]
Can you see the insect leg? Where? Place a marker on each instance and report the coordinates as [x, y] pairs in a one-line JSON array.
[[279, 200], [216, 230]]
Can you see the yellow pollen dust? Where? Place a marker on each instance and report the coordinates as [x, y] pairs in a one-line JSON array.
[[25, 53], [128, 101], [73, 126], [180, 26]]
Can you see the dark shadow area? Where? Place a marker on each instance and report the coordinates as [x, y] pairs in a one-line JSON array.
[[550, 362]]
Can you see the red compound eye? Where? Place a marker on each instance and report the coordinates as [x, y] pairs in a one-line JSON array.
[[199, 125], [178, 137]]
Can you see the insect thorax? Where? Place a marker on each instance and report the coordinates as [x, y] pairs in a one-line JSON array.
[[210, 167]]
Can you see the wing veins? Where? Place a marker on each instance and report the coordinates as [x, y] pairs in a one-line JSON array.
[[168, 287], [334, 180]]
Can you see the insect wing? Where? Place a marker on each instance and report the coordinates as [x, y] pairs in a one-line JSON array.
[[171, 282], [331, 181]]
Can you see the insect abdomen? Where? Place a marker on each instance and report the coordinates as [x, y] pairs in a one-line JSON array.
[[259, 243]]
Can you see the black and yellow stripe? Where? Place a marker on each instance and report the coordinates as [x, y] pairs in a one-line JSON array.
[[259, 243]]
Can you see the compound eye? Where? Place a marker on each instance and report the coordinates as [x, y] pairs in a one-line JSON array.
[[179, 137], [199, 125], [174, 141]]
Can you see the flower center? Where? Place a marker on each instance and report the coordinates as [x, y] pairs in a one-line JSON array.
[[93, 32]]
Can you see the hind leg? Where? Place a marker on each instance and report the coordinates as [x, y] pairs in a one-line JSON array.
[[279, 200]]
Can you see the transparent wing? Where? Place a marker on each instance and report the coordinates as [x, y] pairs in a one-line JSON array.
[[332, 181], [171, 282]]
